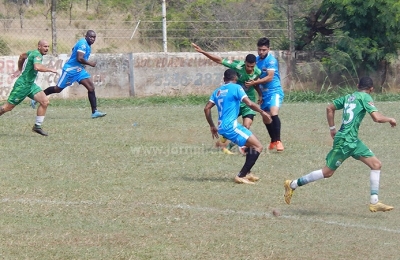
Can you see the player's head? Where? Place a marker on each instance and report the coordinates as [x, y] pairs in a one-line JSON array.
[[263, 47], [90, 37], [250, 63], [43, 47], [365, 83], [230, 75]]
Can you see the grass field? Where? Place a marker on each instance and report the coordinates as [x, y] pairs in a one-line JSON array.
[[145, 182]]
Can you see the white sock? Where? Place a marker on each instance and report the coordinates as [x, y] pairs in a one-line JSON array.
[[39, 120], [374, 185], [312, 176]]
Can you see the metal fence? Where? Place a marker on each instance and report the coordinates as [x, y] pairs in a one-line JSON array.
[[118, 36]]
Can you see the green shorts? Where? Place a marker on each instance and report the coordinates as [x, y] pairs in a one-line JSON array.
[[245, 110], [21, 90], [342, 150]]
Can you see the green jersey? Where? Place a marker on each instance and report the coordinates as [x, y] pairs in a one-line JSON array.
[[240, 68], [354, 108], [29, 73]]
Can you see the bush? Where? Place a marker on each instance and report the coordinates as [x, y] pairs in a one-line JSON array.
[[4, 49]]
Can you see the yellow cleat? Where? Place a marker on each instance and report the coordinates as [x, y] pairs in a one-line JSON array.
[[241, 180], [252, 177], [379, 207], [226, 151], [288, 191]]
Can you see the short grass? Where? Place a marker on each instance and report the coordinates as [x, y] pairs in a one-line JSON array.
[[145, 182]]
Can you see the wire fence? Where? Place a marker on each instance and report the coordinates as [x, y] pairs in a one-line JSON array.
[[17, 36]]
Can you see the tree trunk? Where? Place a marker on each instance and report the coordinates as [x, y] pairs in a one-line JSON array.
[[54, 27]]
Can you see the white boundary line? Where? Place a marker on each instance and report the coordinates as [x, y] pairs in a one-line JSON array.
[[203, 209]]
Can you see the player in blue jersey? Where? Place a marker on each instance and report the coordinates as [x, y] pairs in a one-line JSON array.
[[227, 98], [74, 71], [272, 92]]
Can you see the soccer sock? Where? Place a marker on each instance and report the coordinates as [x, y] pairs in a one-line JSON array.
[[39, 120], [312, 176], [374, 184], [92, 100], [230, 145], [49, 90], [270, 131], [251, 158], [276, 126]]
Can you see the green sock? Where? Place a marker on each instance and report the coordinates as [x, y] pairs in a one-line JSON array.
[[230, 145]]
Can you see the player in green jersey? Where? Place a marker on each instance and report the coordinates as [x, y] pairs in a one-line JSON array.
[[247, 71], [29, 64], [346, 142]]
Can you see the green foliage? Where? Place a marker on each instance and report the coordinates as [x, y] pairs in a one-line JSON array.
[[4, 49]]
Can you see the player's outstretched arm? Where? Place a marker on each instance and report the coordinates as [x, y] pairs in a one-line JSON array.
[[379, 118], [212, 57], [266, 117]]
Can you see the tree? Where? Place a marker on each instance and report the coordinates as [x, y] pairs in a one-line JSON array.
[[366, 32]]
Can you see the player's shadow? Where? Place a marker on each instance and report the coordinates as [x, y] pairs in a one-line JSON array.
[[207, 179]]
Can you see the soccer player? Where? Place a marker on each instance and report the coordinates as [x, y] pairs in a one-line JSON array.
[[74, 71], [29, 64], [346, 142], [247, 71], [227, 98], [272, 92]]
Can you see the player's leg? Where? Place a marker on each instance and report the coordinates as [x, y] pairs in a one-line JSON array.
[[334, 158], [6, 107], [367, 157], [244, 137], [64, 81], [275, 104], [88, 84], [18, 93], [39, 96]]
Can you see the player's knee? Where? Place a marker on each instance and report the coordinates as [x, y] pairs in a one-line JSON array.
[[376, 165], [44, 101]]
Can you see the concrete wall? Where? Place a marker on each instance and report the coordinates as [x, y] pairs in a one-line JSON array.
[[144, 74]]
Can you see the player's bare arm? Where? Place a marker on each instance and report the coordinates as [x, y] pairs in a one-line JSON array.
[[330, 117], [42, 68], [379, 118], [212, 57], [80, 58], [207, 112], [266, 117], [266, 79]]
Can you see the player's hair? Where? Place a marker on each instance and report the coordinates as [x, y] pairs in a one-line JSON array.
[[264, 41], [250, 58], [365, 83], [89, 32], [230, 75]]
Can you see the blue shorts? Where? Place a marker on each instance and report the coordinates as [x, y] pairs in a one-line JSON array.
[[237, 134], [67, 78], [273, 100]]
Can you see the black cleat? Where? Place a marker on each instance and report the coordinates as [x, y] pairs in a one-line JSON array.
[[39, 130]]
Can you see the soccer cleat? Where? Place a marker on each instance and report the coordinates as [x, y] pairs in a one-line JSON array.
[[252, 177], [226, 151], [39, 130], [279, 146], [272, 146], [288, 191], [241, 180], [97, 114], [379, 207], [33, 104]]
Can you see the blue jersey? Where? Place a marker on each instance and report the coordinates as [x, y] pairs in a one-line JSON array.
[[227, 98], [266, 64], [73, 63]]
